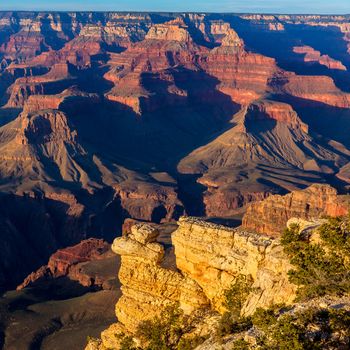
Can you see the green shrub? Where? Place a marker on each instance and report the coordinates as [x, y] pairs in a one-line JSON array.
[[237, 295], [320, 268], [190, 343], [310, 329], [164, 333], [263, 319], [126, 342], [240, 344], [231, 321]]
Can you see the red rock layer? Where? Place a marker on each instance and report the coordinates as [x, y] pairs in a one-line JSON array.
[[57, 79], [24, 45], [165, 46], [315, 88], [312, 55], [243, 76], [71, 99], [224, 202], [67, 262], [273, 110], [270, 216]]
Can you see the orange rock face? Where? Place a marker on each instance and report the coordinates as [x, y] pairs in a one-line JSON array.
[[270, 216]]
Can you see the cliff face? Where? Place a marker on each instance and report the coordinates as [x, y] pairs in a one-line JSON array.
[[270, 216], [205, 262], [149, 285], [214, 256]]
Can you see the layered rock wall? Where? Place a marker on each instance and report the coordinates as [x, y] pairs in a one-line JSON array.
[[271, 215], [214, 256]]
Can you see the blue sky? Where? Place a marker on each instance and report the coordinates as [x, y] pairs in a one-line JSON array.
[[269, 6]]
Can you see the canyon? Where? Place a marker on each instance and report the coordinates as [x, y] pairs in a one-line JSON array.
[[111, 119]]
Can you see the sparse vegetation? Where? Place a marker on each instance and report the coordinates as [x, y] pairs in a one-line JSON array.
[[190, 343], [166, 332], [310, 329], [92, 340], [126, 342], [321, 267], [240, 344], [231, 321], [321, 263]]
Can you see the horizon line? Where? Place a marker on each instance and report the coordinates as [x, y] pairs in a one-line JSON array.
[[186, 12]]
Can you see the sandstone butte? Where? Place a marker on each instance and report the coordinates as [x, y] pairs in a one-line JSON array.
[[207, 258]]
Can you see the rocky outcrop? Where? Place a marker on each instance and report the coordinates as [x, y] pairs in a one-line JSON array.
[[72, 262], [205, 262], [312, 55], [148, 285], [272, 110], [225, 201], [149, 202], [314, 88], [70, 100], [175, 30], [271, 215], [55, 81], [214, 256]]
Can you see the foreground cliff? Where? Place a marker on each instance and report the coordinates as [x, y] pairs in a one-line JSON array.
[[207, 266], [206, 260]]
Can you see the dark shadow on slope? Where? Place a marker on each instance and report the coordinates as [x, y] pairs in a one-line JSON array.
[[191, 194], [51, 36], [333, 123], [7, 115], [170, 126], [32, 229]]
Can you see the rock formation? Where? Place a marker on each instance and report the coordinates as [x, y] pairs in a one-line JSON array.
[[71, 262], [214, 255], [148, 285], [311, 55], [271, 215], [206, 260]]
